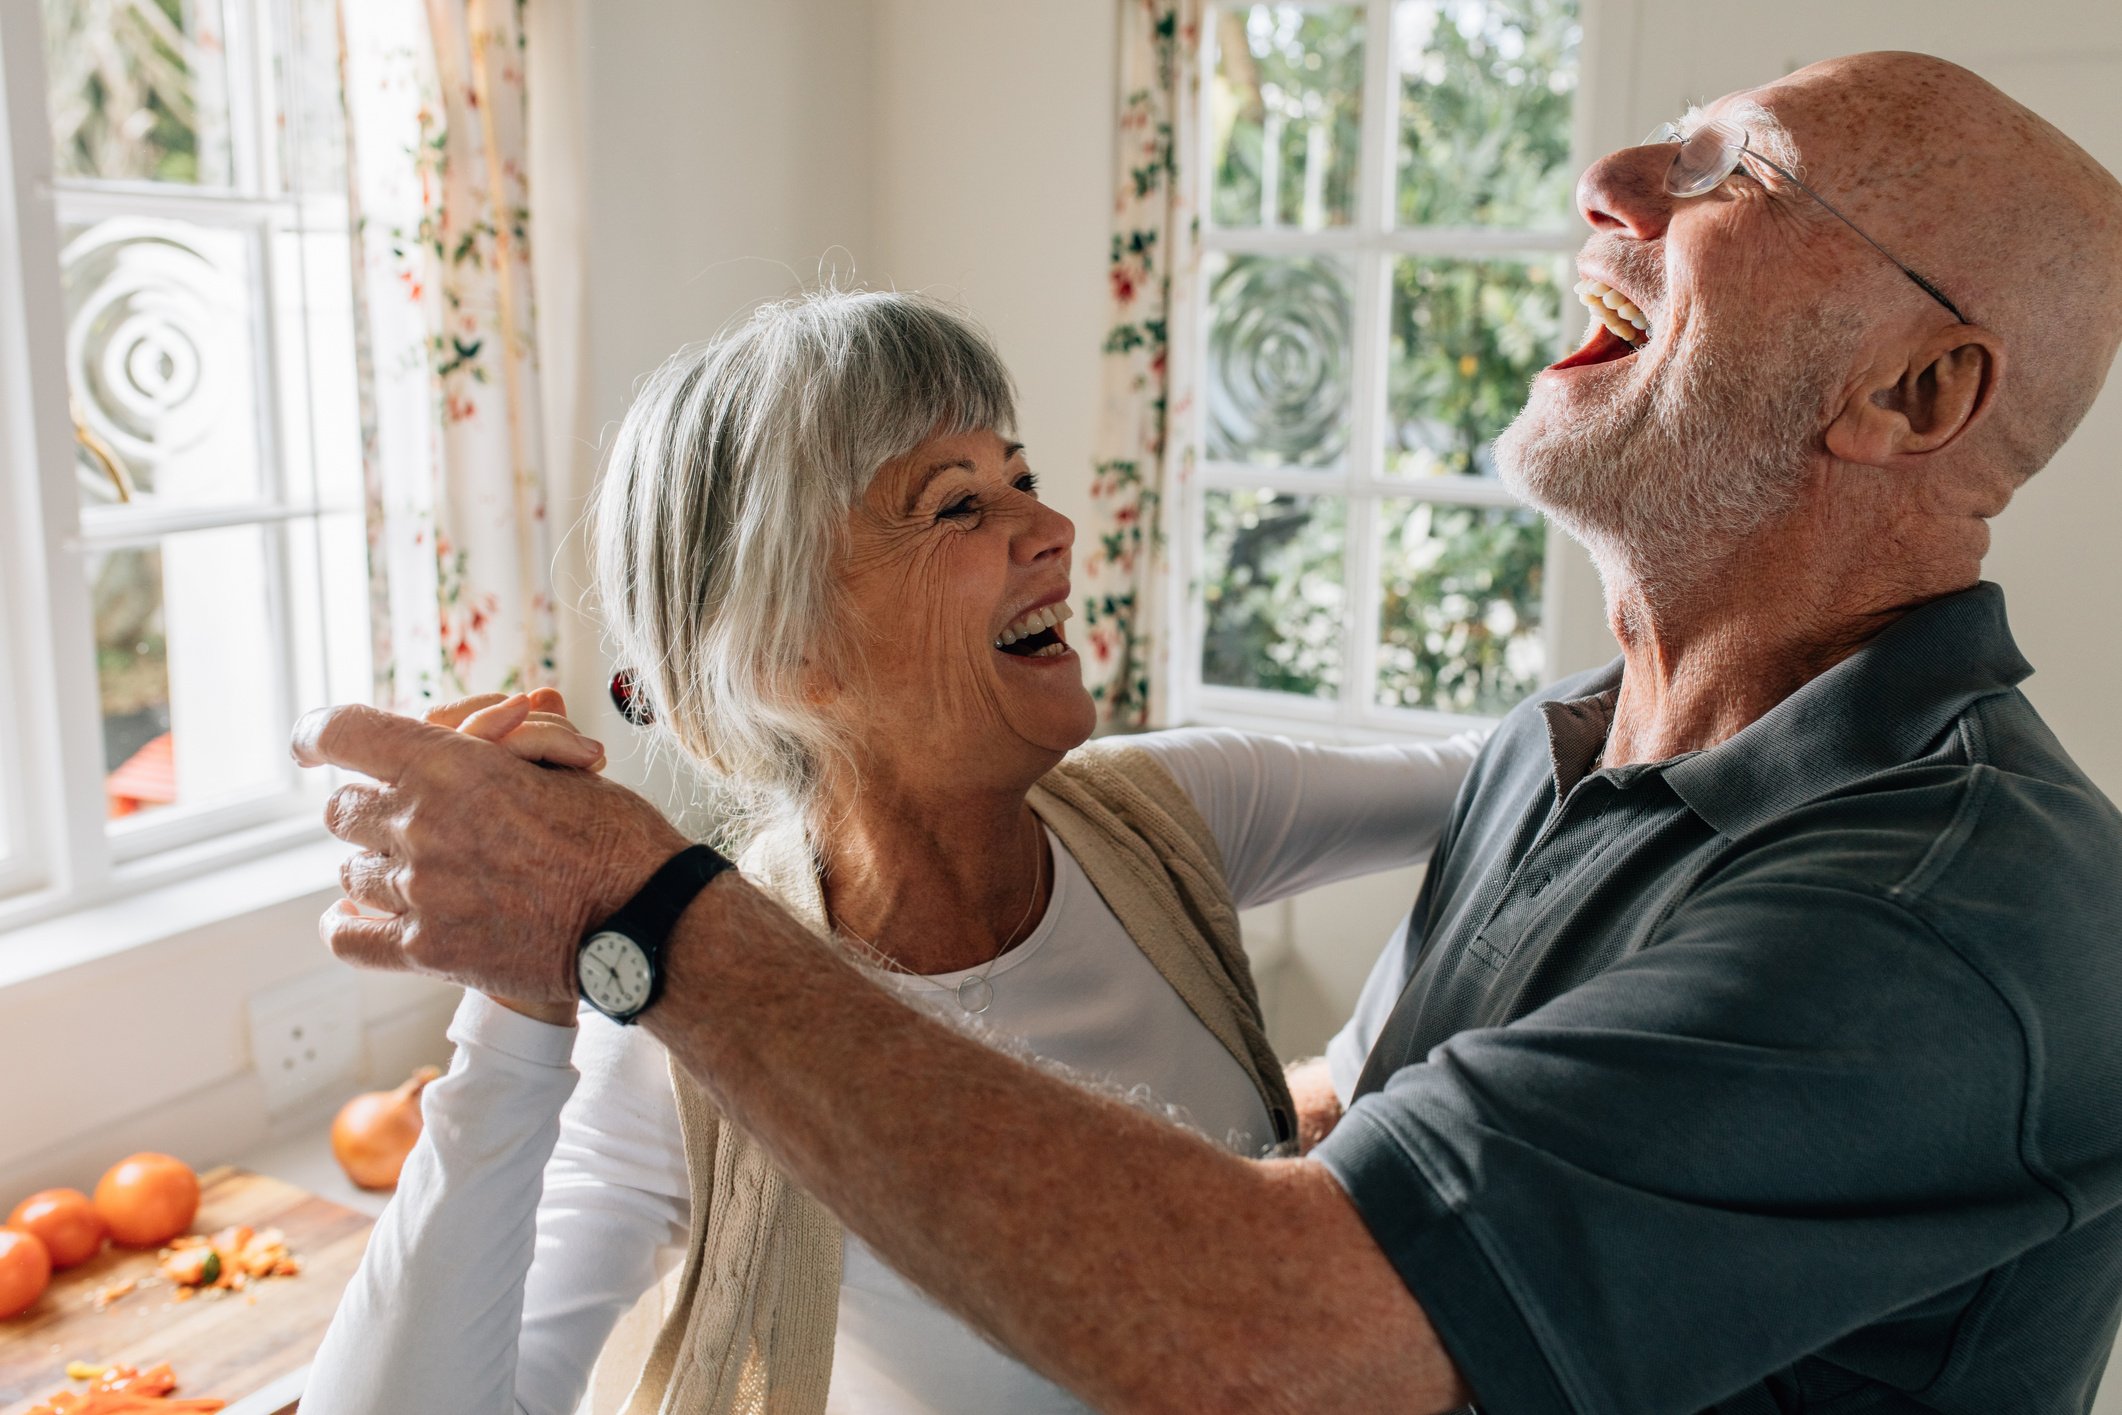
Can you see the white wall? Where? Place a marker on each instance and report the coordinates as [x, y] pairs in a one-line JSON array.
[[992, 129], [728, 161]]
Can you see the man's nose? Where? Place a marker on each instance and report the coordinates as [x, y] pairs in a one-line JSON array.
[[1623, 193]]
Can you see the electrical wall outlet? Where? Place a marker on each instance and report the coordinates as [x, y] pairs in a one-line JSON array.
[[306, 1038]]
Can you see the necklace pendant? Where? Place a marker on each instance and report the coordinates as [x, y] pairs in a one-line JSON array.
[[974, 994]]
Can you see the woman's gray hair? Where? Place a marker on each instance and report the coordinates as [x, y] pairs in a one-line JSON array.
[[717, 529]]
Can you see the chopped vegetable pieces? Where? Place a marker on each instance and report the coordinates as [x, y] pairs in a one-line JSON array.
[[123, 1390], [229, 1260]]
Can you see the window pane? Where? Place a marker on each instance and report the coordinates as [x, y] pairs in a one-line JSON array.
[[160, 323], [1486, 88], [187, 665], [1459, 627], [1273, 585], [1286, 115], [1467, 337], [139, 89], [1280, 356]]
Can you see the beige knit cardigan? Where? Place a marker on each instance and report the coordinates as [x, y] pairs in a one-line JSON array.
[[751, 1321]]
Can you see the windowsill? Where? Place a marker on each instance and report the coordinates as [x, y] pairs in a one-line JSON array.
[[175, 893]]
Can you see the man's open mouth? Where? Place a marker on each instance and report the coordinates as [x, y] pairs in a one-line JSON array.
[[1618, 327], [1036, 633]]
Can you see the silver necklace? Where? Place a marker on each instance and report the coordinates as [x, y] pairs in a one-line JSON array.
[[973, 991]]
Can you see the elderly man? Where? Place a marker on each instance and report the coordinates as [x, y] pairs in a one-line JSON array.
[[1749, 1047]]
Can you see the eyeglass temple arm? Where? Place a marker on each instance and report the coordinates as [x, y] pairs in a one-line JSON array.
[[1924, 285]]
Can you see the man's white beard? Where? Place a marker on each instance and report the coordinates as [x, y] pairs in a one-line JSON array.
[[1670, 476]]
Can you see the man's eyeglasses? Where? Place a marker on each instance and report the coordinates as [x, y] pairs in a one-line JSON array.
[[1713, 152]]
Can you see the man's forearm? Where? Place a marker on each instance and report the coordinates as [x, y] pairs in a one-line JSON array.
[[1130, 1260]]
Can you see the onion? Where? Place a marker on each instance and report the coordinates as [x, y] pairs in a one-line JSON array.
[[373, 1133]]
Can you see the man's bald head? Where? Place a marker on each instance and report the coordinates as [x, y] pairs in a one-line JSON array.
[[2015, 222], [1797, 402]]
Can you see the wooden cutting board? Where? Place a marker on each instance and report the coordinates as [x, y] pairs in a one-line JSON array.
[[230, 1345]]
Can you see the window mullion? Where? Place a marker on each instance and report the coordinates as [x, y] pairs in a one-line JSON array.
[[1367, 429], [56, 650], [1366, 462]]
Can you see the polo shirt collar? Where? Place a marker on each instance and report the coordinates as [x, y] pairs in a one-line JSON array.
[[1881, 707]]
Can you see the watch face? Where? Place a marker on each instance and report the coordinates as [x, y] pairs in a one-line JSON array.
[[614, 973]]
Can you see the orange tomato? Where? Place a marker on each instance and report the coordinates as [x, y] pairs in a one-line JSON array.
[[65, 1221], [25, 1271], [147, 1199]]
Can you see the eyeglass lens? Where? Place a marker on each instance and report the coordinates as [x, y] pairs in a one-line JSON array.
[[1706, 157]]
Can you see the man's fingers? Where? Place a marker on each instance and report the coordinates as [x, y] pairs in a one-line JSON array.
[[371, 881], [360, 814], [548, 700], [362, 941], [494, 723], [359, 738], [452, 715]]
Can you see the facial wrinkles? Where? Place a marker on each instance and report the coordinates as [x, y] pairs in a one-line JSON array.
[[926, 594], [1700, 449]]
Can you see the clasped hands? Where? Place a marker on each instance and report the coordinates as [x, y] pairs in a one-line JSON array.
[[480, 862]]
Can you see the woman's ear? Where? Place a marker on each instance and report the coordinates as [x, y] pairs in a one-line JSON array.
[[1945, 386]]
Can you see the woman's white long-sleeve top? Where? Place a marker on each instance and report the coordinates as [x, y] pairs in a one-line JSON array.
[[548, 1191]]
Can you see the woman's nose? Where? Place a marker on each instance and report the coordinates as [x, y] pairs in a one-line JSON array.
[[1623, 193], [1046, 533]]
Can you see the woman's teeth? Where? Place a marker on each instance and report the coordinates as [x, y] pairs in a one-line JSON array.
[[1612, 308], [1026, 625]]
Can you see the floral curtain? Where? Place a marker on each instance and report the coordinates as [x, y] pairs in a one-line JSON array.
[[1131, 603], [459, 556]]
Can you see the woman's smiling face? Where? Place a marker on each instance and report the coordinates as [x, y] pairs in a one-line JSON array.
[[952, 569]]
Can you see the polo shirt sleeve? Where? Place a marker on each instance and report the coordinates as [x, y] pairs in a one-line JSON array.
[[1797, 1112]]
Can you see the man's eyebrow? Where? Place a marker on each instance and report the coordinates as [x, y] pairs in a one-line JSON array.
[[1765, 132]]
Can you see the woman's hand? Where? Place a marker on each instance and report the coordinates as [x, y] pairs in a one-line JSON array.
[[535, 727]]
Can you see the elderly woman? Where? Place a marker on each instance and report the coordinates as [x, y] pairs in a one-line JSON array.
[[851, 609]]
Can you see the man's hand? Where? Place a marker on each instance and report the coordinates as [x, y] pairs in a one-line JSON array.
[[480, 866]]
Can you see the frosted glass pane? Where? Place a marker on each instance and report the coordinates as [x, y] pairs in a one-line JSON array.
[[160, 335], [1280, 360]]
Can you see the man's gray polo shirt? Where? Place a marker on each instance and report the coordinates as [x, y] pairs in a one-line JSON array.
[[1782, 1076]]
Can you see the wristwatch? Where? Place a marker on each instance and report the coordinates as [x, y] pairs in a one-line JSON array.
[[620, 964]]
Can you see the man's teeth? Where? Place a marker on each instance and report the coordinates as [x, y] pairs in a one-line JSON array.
[[1024, 626], [1612, 308]]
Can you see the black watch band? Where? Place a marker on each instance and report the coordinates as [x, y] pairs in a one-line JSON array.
[[650, 916]]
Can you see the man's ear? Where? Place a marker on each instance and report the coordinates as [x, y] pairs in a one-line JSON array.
[[1946, 386]]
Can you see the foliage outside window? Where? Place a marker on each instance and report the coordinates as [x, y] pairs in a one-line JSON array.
[[1385, 268]]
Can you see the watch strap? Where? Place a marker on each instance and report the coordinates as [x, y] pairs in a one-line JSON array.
[[652, 914]]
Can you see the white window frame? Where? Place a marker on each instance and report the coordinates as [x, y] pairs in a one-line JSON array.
[[1369, 246], [63, 856]]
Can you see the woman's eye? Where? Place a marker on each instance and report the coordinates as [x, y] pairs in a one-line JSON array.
[[1029, 483], [964, 506]]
